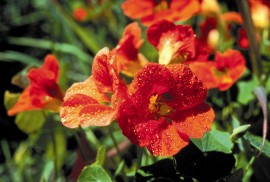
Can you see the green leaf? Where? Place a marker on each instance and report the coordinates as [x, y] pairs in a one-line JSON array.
[[256, 142], [17, 56], [239, 132], [214, 141], [10, 99], [246, 90], [119, 168], [203, 166], [267, 85], [30, 121], [87, 36], [22, 153], [94, 173], [236, 176], [162, 169], [48, 44], [101, 155]]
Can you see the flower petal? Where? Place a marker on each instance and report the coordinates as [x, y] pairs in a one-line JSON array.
[[187, 90], [195, 121], [43, 80], [104, 71], [167, 141], [71, 108], [23, 104], [205, 72], [234, 61], [137, 8], [87, 88], [97, 115], [175, 43]]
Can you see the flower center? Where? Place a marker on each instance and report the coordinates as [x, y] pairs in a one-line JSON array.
[[169, 52], [159, 107], [161, 5]]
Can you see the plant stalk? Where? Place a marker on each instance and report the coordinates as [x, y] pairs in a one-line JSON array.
[[254, 54]]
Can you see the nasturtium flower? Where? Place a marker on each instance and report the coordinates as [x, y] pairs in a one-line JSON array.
[[80, 14], [210, 28], [94, 101], [164, 108], [43, 91], [221, 73], [242, 40], [260, 13], [175, 43], [129, 60], [152, 11]]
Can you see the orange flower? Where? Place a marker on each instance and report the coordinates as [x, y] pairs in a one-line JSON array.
[[80, 14], [152, 11], [209, 31], [260, 12], [87, 103], [164, 109], [175, 43], [129, 59], [221, 73], [43, 91]]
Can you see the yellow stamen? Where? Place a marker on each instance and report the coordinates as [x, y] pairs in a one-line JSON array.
[[156, 106], [162, 5]]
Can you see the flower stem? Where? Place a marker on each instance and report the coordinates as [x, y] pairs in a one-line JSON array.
[[254, 54], [139, 157], [51, 130], [113, 140], [81, 148], [250, 163]]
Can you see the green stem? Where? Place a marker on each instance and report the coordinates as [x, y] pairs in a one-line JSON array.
[[254, 54], [114, 140], [139, 157], [54, 151], [84, 156], [250, 163]]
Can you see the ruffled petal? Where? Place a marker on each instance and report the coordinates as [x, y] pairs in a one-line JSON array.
[[234, 62], [175, 43], [43, 80], [205, 72], [186, 90], [195, 121], [167, 141]]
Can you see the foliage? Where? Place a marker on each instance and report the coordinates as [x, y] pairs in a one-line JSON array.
[[129, 90]]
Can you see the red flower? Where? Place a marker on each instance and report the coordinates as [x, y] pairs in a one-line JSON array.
[[80, 14], [221, 73], [242, 39], [164, 109], [129, 59], [87, 103], [175, 43], [43, 91], [152, 11]]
